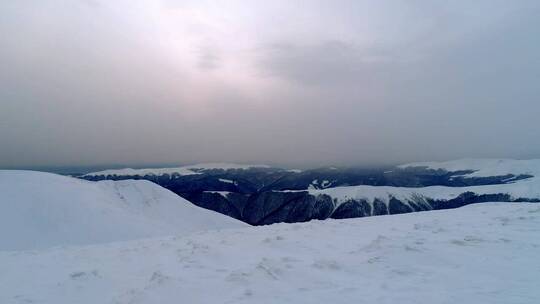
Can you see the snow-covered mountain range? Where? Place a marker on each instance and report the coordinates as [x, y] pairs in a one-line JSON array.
[[181, 171], [69, 240], [40, 210], [265, 195]]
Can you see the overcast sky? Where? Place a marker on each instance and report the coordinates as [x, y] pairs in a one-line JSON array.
[[313, 82]]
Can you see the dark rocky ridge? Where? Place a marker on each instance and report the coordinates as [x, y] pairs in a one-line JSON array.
[[262, 196]]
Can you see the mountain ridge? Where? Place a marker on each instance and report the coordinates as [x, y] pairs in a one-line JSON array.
[[267, 195], [40, 210]]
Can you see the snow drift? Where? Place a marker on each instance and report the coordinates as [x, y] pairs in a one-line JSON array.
[[39, 210], [486, 253]]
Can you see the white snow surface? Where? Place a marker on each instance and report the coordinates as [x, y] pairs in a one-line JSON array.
[[228, 181], [185, 170], [222, 193], [484, 253], [527, 188], [524, 188], [315, 184], [484, 167], [40, 210]]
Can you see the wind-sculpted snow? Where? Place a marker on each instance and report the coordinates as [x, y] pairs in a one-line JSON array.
[[484, 253], [39, 210]]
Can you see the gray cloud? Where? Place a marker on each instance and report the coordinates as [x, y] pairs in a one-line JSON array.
[[325, 63], [208, 58], [291, 82]]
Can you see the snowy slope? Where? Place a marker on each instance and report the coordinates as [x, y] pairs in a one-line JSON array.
[[528, 188], [39, 210], [484, 167], [185, 170], [485, 253]]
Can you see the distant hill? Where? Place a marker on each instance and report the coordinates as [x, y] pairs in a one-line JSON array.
[[39, 210]]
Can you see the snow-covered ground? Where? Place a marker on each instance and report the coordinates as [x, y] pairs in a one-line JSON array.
[[527, 188], [228, 181], [524, 188], [65, 240], [484, 167], [40, 210], [485, 253]]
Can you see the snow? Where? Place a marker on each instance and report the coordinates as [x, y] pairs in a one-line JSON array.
[[326, 184], [65, 240], [484, 167], [485, 253], [41, 210], [225, 166], [525, 188], [228, 181], [142, 172], [185, 170], [222, 193], [315, 184]]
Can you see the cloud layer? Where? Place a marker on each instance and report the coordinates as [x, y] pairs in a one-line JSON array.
[[286, 82]]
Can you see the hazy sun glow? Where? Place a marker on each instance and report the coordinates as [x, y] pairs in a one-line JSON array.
[[292, 80]]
